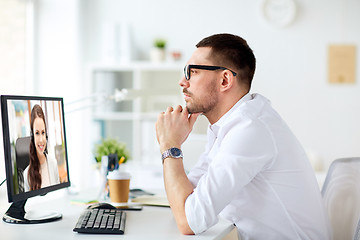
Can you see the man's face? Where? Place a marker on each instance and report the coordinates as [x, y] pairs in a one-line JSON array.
[[201, 90]]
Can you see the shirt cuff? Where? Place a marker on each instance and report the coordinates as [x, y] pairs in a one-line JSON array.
[[189, 210]]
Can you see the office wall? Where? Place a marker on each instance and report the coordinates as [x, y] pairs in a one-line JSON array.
[[13, 46], [58, 72], [291, 61]]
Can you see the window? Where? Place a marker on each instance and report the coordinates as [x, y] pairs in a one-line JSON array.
[[15, 45]]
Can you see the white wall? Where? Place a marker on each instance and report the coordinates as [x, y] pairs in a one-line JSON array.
[[291, 61], [58, 73]]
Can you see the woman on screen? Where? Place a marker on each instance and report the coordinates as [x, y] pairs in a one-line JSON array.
[[42, 170]]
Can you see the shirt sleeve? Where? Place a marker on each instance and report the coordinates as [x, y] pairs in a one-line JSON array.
[[202, 164], [53, 170], [198, 170], [243, 152]]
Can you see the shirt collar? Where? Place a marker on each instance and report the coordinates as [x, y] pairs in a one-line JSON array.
[[214, 128]]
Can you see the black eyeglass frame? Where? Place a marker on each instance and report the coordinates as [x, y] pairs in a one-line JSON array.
[[204, 67]]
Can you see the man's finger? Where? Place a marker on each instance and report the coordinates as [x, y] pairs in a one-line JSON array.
[[193, 118], [169, 109], [178, 108]]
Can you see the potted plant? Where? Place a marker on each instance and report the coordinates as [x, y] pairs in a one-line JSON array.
[[111, 146], [160, 43], [109, 155], [158, 52]]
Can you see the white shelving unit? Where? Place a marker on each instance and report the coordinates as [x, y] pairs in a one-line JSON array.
[[133, 121]]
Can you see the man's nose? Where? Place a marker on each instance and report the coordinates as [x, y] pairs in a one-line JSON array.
[[184, 83]]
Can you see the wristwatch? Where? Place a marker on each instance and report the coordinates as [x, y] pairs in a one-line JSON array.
[[172, 152]]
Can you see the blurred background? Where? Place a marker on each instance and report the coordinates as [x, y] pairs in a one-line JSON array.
[[77, 49]]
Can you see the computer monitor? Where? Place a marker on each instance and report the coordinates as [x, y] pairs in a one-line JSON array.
[[35, 152]]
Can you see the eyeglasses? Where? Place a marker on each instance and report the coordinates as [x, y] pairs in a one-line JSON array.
[[188, 67]]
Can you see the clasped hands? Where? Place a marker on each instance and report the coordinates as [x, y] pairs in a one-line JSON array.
[[174, 126]]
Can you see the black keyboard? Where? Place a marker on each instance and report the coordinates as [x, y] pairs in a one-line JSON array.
[[103, 221]]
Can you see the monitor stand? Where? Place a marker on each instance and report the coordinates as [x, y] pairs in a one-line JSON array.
[[16, 214]]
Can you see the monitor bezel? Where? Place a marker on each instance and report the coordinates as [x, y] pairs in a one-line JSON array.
[[7, 149]]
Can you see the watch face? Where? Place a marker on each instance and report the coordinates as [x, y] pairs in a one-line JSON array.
[[175, 152]]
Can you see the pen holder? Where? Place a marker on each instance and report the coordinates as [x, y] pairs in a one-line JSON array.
[[104, 193]]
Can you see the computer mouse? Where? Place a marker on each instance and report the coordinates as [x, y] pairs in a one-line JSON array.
[[101, 205]]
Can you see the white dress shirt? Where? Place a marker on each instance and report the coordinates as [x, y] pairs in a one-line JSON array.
[[255, 174]]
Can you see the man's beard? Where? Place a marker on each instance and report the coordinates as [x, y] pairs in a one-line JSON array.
[[203, 105]]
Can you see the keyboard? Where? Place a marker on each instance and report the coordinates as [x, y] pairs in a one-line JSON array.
[[101, 221]]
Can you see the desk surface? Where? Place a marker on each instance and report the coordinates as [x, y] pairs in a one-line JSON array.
[[150, 223]]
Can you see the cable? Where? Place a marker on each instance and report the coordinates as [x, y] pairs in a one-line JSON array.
[[2, 182]]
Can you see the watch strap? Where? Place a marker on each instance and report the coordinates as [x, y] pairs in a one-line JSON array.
[[168, 153]]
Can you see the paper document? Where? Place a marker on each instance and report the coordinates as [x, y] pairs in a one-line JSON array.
[[156, 200]]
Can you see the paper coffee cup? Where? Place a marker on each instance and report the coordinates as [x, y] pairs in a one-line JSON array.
[[119, 183]]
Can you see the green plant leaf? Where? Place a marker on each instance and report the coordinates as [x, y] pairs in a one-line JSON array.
[[160, 43], [111, 146]]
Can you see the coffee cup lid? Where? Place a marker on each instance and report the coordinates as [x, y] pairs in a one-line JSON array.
[[118, 175]]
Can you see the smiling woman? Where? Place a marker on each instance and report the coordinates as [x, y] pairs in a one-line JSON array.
[[42, 170]]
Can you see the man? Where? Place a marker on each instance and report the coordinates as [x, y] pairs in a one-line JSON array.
[[254, 171]]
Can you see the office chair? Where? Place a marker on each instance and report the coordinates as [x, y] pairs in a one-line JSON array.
[[341, 195], [22, 153], [357, 233]]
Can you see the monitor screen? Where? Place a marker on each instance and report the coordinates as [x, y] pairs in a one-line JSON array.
[[34, 145]]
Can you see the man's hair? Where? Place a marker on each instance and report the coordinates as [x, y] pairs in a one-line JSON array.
[[232, 52]]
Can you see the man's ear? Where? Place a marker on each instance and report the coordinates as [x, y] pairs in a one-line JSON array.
[[227, 80]]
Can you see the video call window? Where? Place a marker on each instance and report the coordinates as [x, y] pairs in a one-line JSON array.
[[38, 153]]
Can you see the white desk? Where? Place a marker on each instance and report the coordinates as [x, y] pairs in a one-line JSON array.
[[150, 223]]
